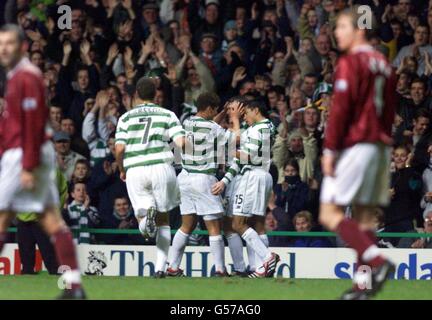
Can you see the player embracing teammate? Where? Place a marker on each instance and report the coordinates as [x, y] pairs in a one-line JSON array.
[[356, 155], [253, 186]]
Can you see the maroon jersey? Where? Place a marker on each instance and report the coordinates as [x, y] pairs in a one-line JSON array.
[[363, 106], [24, 119]]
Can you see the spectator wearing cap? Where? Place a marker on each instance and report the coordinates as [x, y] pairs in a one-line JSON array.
[[210, 54], [210, 23], [66, 158], [419, 243], [150, 16], [77, 142], [230, 34]]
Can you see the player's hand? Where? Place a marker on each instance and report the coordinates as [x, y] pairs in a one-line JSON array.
[[123, 176], [328, 164], [27, 180], [218, 188]]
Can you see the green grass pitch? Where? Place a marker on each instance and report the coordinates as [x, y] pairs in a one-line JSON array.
[[43, 286]]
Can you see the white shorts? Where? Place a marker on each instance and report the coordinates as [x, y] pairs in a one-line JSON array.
[[13, 197], [230, 192], [362, 176], [152, 186], [252, 193], [196, 196]]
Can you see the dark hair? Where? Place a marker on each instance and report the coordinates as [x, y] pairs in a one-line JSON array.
[[73, 184], [121, 196], [422, 113], [10, 27], [82, 161], [239, 99], [355, 15], [419, 80], [402, 146], [423, 25], [261, 106], [278, 89], [37, 51], [293, 163], [207, 99], [146, 88]]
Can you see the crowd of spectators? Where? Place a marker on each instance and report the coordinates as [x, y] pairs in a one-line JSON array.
[[281, 52]]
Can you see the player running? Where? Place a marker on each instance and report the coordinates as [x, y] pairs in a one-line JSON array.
[[357, 154], [28, 164], [254, 186], [145, 159], [207, 140]]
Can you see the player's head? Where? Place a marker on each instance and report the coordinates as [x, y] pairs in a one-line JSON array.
[[146, 89], [12, 45], [207, 104], [254, 111], [352, 28]]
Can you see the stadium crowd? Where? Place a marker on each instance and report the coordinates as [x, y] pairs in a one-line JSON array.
[[281, 52]]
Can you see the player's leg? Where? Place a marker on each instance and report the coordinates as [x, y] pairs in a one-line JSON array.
[[163, 240], [251, 237], [55, 227], [181, 238], [258, 223], [217, 246], [251, 199], [6, 218], [235, 245]]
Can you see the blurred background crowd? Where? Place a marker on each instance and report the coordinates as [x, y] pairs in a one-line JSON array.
[[281, 52]]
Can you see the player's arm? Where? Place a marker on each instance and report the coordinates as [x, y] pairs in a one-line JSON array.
[[120, 150], [338, 122], [232, 171], [32, 103], [120, 146], [177, 134]]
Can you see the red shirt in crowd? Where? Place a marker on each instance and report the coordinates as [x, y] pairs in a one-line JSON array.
[[363, 106], [25, 115]]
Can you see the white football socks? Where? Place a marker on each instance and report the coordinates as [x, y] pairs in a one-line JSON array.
[[177, 249], [253, 239], [163, 239], [235, 245], [251, 257], [264, 239], [217, 248]]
